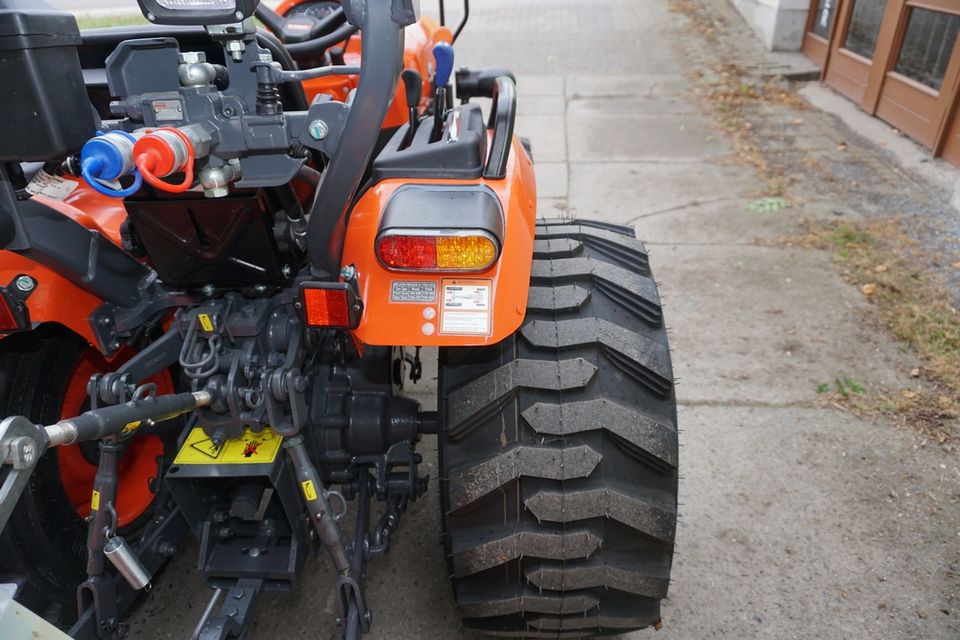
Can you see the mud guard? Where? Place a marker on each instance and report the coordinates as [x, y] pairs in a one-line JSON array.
[[407, 309]]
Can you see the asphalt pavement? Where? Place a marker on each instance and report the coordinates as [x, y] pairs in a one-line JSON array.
[[798, 520]]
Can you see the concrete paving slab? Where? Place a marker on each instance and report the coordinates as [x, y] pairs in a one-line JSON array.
[[551, 179], [837, 536], [547, 134], [534, 105], [625, 191], [753, 324], [723, 222], [553, 208], [617, 138], [629, 105], [648, 84]]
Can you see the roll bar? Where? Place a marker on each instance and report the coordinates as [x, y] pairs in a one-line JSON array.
[[381, 24]]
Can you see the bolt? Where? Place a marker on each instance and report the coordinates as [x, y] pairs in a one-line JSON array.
[[238, 594], [208, 290], [287, 270], [166, 549], [25, 284], [348, 272], [318, 130], [260, 288], [232, 611], [192, 57], [216, 192]]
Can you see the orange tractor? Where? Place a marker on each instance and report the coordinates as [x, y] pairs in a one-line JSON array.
[[225, 247]]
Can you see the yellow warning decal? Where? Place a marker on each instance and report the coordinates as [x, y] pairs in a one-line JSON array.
[[250, 448], [205, 322], [131, 426], [95, 500], [309, 492]]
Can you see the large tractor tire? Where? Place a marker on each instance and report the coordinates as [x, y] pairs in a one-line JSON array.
[[43, 376], [559, 449]]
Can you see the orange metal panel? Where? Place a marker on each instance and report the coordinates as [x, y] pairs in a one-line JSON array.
[[57, 299], [386, 322]]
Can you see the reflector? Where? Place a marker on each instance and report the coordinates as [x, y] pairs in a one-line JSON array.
[[8, 321], [13, 314], [326, 307]]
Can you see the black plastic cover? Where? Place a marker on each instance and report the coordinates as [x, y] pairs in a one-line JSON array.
[[226, 242], [440, 208], [45, 113], [459, 155]]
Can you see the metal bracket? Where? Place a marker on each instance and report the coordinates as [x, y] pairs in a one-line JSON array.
[[236, 612], [21, 445]]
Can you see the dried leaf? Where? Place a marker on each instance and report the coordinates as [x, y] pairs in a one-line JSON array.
[[869, 289]]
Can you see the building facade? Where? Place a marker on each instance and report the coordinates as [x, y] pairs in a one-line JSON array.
[[897, 59]]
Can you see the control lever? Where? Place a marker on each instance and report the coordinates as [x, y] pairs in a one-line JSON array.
[[413, 84], [443, 55]]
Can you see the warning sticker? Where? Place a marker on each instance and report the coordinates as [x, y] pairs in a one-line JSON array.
[[251, 448], [466, 307], [51, 186], [413, 291]]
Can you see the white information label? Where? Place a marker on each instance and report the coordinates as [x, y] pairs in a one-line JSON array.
[[466, 307], [51, 186], [467, 322]]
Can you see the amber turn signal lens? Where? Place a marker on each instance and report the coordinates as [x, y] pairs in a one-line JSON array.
[[437, 253]]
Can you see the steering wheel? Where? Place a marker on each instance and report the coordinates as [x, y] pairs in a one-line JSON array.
[[305, 34]]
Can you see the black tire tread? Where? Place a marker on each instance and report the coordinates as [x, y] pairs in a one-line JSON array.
[[559, 451]]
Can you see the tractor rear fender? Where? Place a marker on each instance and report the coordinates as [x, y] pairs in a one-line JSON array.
[[420, 308], [59, 296]]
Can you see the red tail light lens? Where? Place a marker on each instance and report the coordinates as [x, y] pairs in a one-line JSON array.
[[461, 252]]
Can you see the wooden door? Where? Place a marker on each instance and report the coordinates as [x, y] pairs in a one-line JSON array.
[[816, 40], [854, 47], [919, 85]]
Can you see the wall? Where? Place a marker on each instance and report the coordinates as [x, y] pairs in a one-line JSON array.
[[780, 24]]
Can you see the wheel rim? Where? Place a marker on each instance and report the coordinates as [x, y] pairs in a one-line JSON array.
[[137, 468]]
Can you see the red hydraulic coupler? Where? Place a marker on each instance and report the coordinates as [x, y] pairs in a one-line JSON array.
[[163, 152]]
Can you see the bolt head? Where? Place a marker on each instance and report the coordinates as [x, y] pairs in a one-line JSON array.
[[216, 192], [318, 130], [192, 57], [25, 284]]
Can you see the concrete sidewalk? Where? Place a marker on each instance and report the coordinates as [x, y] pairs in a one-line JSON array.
[[798, 521]]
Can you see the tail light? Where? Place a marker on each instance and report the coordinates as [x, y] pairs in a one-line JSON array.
[[332, 305], [421, 250]]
